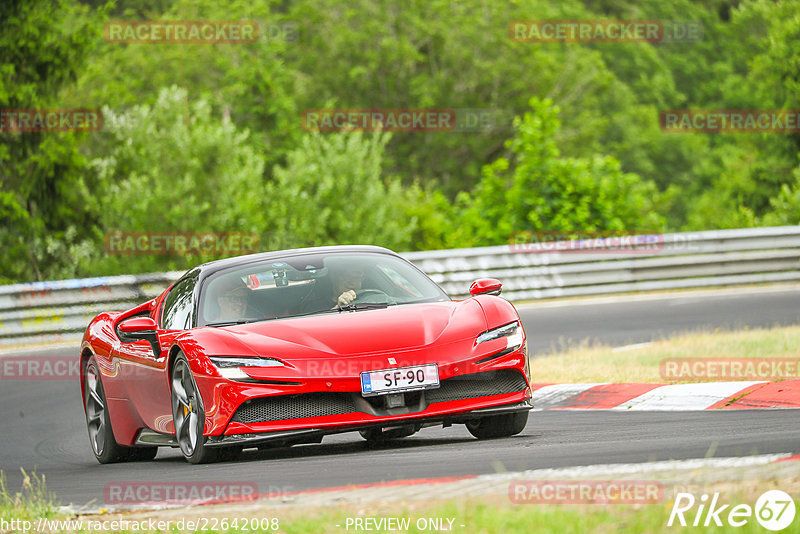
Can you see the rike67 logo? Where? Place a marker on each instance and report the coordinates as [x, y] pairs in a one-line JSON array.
[[774, 510]]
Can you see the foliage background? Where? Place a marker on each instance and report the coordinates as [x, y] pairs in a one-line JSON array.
[[208, 137]]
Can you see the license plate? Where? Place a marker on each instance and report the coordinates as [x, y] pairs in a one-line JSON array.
[[400, 379]]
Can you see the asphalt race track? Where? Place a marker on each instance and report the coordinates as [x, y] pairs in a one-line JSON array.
[[45, 432], [640, 319]]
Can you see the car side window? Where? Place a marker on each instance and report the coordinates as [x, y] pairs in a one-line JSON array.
[[178, 306]]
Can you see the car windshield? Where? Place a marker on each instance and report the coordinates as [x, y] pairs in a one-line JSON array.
[[312, 284]]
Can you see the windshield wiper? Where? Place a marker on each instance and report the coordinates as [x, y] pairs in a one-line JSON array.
[[238, 321], [363, 306], [347, 307], [327, 310]]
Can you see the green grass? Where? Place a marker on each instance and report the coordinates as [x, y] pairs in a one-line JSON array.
[[604, 364], [478, 517], [491, 514], [497, 514], [481, 517], [31, 502]]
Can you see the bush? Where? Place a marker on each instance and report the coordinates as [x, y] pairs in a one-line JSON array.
[[174, 167], [537, 189], [331, 192]]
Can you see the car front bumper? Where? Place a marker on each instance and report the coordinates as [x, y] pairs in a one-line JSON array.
[[315, 434]]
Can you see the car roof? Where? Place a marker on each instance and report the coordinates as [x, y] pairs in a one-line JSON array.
[[203, 271], [211, 267]]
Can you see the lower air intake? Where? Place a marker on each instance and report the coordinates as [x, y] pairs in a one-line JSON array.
[[284, 407], [294, 407], [477, 385]]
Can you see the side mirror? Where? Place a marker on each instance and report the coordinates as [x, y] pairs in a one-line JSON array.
[[138, 328], [485, 286]]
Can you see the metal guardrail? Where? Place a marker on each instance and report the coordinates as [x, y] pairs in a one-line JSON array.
[[41, 312], [54, 311], [668, 261]]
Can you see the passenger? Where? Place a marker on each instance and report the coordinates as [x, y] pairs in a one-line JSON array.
[[232, 301]]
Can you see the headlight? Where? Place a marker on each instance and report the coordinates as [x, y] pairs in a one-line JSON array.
[[512, 332], [230, 367]]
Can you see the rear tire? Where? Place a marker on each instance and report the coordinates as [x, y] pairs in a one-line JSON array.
[[379, 435], [290, 442], [229, 454], [141, 454], [498, 426], [98, 422]]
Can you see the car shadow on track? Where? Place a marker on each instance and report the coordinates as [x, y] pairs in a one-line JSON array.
[[330, 449]]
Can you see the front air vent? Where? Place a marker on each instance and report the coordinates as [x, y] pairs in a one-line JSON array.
[[284, 407], [477, 385]]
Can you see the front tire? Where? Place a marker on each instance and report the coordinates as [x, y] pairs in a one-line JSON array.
[[188, 415], [498, 426]]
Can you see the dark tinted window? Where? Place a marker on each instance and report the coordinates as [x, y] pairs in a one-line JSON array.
[[178, 306], [297, 285]]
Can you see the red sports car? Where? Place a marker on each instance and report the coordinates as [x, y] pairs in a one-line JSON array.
[[281, 348]]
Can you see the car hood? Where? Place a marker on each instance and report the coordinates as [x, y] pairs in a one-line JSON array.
[[397, 328]]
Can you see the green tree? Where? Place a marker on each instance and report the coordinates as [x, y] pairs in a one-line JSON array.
[[738, 177], [539, 189], [331, 191], [44, 205], [442, 54], [248, 82], [174, 167], [786, 205]]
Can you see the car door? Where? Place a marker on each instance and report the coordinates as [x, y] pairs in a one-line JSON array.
[[148, 383]]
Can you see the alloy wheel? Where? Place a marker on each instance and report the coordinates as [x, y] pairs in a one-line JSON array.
[[187, 408], [95, 409]]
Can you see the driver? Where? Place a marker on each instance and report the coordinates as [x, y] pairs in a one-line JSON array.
[[232, 301], [340, 287], [346, 281]]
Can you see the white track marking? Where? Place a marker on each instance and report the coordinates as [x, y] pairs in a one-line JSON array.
[[549, 396], [685, 396]]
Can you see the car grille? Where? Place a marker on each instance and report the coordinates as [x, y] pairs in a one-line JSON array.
[[477, 385], [294, 407], [284, 407]]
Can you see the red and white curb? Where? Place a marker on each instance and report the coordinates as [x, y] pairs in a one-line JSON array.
[[667, 397]]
